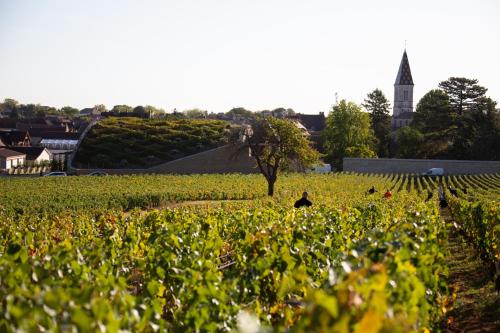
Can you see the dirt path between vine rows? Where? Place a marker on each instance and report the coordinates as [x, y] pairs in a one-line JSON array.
[[477, 305]]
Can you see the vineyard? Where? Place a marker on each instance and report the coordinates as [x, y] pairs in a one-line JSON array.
[[80, 253]]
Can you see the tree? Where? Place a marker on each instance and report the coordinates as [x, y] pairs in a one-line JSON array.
[[153, 111], [69, 111], [487, 145], [348, 133], [140, 110], [475, 125], [434, 113], [478, 132], [98, 109], [378, 107], [434, 118], [28, 110], [277, 144], [282, 112], [464, 93], [8, 104], [195, 113], [240, 113], [122, 109], [409, 142]]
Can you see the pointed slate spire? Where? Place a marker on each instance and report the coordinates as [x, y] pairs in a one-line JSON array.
[[404, 74]]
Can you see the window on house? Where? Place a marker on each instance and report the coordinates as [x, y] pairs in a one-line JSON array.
[[405, 93]]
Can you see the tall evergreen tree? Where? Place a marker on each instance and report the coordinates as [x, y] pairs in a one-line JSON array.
[[378, 106], [434, 118], [458, 121], [464, 93], [434, 112], [476, 126], [478, 132]]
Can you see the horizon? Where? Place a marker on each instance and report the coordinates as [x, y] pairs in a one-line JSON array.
[[256, 55]]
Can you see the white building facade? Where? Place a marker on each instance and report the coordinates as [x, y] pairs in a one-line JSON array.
[[10, 159]]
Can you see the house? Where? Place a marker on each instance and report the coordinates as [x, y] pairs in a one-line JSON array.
[[86, 112], [314, 124], [8, 124], [59, 121], [15, 138], [95, 111], [60, 145], [34, 155], [25, 124], [50, 122], [10, 159], [37, 134]]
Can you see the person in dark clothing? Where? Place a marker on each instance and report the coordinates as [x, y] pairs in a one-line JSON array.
[[453, 191], [442, 200], [464, 190], [429, 195], [303, 201], [372, 190]]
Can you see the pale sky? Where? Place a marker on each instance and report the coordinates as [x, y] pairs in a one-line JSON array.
[[257, 54]]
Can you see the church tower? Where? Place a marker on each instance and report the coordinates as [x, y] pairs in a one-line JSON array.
[[403, 90]]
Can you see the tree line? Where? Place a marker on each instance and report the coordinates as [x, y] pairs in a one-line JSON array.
[[455, 121], [13, 109]]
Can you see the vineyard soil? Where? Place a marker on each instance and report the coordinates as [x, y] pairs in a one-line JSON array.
[[476, 306]]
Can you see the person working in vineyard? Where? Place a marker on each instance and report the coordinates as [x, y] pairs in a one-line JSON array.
[[388, 194], [429, 195], [302, 201], [453, 191], [442, 199], [372, 190]]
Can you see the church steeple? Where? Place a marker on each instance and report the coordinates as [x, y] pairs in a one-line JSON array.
[[404, 73], [403, 91]]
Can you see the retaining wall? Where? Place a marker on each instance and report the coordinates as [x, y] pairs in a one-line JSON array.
[[225, 159], [395, 165]]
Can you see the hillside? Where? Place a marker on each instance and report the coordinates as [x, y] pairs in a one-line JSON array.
[[141, 143]]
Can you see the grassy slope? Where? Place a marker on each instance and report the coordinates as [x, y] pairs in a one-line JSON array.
[[139, 143]]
